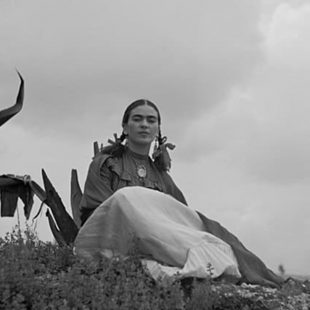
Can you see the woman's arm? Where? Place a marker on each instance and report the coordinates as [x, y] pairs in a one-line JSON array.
[[97, 186]]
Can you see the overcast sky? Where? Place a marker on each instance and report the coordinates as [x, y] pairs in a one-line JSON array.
[[231, 79]]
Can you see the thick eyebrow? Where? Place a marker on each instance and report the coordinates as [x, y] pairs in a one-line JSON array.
[[147, 116]]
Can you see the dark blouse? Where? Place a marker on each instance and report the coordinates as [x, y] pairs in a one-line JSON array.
[[107, 174]]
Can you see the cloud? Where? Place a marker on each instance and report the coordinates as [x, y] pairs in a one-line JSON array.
[[286, 32], [263, 128], [85, 70], [280, 151]]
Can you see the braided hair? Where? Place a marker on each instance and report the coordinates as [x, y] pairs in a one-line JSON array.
[[160, 153]]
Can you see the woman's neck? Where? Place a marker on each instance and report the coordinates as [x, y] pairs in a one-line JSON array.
[[139, 149]]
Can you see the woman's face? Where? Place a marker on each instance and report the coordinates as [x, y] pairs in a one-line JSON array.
[[142, 126]]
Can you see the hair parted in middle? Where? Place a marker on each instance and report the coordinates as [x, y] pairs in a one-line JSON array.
[[161, 160]]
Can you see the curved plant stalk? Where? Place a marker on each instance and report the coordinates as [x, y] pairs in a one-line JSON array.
[[56, 233], [8, 113]]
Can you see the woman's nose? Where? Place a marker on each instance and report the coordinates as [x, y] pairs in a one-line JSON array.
[[144, 123]]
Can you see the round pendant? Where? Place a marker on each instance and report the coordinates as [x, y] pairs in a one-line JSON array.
[[141, 171]]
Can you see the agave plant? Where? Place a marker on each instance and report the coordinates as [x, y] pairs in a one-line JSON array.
[[12, 187]]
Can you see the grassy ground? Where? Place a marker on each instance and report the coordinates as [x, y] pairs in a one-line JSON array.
[[38, 275]]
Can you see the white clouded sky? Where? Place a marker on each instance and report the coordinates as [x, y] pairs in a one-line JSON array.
[[230, 78]]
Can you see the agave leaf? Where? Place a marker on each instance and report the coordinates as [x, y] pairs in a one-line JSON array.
[[8, 113], [64, 221], [76, 196]]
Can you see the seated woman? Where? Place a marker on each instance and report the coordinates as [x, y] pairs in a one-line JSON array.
[[129, 196]]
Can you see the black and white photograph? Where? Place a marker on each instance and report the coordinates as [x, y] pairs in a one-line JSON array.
[[155, 154]]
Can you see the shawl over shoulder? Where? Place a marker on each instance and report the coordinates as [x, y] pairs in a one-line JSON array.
[[252, 269]]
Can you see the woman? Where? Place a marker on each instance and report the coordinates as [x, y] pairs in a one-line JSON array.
[[117, 166], [138, 199]]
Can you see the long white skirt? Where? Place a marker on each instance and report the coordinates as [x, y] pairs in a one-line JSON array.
[[169, 234]]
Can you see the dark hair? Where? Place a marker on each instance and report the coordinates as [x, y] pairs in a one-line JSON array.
[[117, 148], [138, 103]]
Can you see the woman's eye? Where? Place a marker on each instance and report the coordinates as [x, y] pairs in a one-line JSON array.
[[152, 120]]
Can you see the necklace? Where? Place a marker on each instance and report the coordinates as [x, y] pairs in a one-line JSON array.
[[141, 171], [141, 163], [140, 168]]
